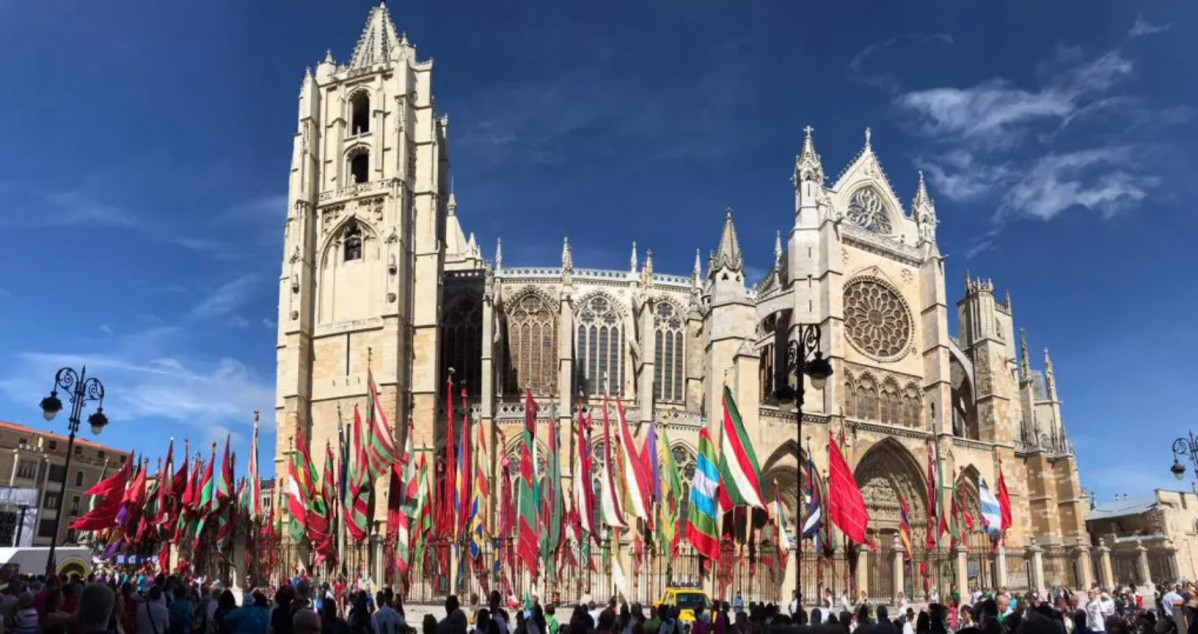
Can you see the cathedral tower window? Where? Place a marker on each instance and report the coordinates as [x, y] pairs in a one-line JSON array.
[[359, 113], [461, 346], [359, 166], [670, 356], [532, 344], [600, 344], [353, 243]]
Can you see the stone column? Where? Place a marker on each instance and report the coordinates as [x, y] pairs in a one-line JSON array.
[[898, 572], [1142, 558], [1174, 563], [1037, 581], [1086, 569], [962, 572], [862, 572], [1104, 564], [1000, 565]]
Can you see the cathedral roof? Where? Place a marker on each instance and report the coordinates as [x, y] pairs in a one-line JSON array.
[[1121, 508], [377, 41]]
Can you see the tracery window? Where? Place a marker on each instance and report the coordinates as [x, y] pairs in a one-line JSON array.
[[877, 321], [911, 408], [867, 211], [669, 358], [890, 403], [600, 346], [532, 344], [353, 243], [360, 115], [461, 343], [867, 399]]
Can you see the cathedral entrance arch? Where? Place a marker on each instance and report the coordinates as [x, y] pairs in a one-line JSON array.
[[889, 476]]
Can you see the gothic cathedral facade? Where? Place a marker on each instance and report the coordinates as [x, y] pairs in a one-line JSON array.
[[378, 273]]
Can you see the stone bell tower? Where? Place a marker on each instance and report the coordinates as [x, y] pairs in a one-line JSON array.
[[363, 243]]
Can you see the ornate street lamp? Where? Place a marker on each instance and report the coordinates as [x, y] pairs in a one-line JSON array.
[[804, 358], [1184, 447], [81, 389]]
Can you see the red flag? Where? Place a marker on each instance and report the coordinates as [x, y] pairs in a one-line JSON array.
[[846, 507], [1004, 503], [933, 499], [114, 484], [465, 490], [105, 513], [395, 496]]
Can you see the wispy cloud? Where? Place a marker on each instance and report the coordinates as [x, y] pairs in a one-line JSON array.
[[1143, 27], [227, 298], [1070, 142], [885, 80]]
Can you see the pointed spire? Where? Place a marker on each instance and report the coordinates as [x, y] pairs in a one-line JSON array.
[[1050, 377], [632, 259], [728, 255], [1008, 300], [1025, 365], [968, 282], [697, 275], [453, 204], [567, 256], [498, 254], [328, 56], [868, 135], [777, 247], [647, 270], [807, 164], [921, 193], [472, 244], [377, 41]]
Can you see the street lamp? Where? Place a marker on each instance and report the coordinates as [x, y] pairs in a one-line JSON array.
[[1183, 447], [803, 358], [80, 389]]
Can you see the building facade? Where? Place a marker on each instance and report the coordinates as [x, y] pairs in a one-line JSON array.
[[32, 459], [1146, 540], [378, 272]]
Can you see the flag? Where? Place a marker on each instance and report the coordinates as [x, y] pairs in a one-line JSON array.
[[296, 504], [905, 528], [527, 537], [933, 500], [358, 493], [1004, 503], [652, 463], [584, 494], [784, 544], [103, 516], [224, 484], [671, 523], [463, 477], [811, 526], [165, 481], [991, 510], [207, 491], [635, 480], [409, 504], [702, 524], [740, 474], [553, 507], [609, 499], [846, 507], [381, 450]]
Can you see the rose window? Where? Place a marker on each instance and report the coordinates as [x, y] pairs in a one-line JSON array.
[[876, 319], [867, 211]]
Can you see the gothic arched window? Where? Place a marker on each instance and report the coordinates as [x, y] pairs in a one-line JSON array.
[[867, 211], [359, 166], [353, 243], [867, 399], [360, 113], [600, 346], [911, 406], [669, 368], [532, 341], [461, 345], [891, 403], [850, 395]]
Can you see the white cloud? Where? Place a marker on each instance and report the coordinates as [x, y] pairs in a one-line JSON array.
[[885, 80], [226, 299], [1096, 179], [1143, 27]]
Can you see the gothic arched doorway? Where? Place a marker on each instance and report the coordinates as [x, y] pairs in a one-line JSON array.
[[889, 476]]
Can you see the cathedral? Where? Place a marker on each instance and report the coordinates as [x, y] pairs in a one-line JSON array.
[[380, 273]]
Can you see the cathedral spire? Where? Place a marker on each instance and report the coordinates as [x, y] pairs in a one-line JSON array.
[[498, 254], [377, 41], [567, 256], [1025, 366], [728, 255], [921, 193], [807, 164], [1050, 377], [777, 248], [697, 274], [632, 260], [868, 135], [453, 204], [647, 270]]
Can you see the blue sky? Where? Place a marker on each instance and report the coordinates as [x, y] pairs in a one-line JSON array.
[[144, 150]]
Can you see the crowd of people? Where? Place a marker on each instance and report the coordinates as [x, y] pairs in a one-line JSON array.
[[113, 603]]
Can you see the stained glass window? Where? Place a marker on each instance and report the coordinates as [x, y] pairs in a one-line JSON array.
[[600, 346], [670, 367], [532, 337]]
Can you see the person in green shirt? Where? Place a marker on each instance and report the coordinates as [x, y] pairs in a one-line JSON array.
[[551, 619], [653, 623]]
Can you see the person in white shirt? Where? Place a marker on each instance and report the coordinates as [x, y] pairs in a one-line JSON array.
[[1108, 605], [152, 616], [385, 620], [794, 604], [1094, 619]]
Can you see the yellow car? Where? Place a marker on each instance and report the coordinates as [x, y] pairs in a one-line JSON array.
[[685, 600]]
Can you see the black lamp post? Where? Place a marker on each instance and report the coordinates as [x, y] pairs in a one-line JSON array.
[[1182, 448], [804, 357], [81, 389]]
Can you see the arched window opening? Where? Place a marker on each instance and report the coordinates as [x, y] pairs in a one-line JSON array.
[[532, 340], [359, 167], [600, 347], [669, 368], [850, 395], [360, 114], [867, 399], [461, 346], [890, 403], [911, 406], [353, 243]]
